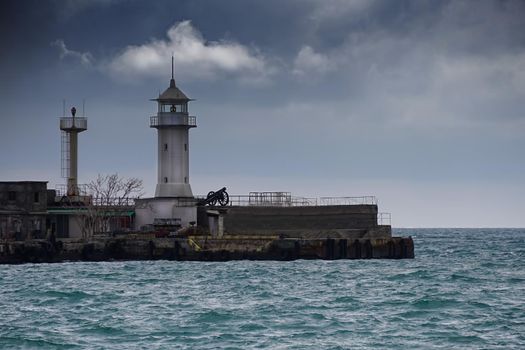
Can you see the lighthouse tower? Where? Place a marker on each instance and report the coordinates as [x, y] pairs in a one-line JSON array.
[[173, 123], [173, 205]]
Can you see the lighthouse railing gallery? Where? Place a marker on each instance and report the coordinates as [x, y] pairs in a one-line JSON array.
[[171, 120], [79, 123]]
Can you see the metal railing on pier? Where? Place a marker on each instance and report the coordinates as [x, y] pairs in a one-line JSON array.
[[362, 200], [292, 201], [62, 190], [113, 202], [83, 195], [384, 219], [285, 199]]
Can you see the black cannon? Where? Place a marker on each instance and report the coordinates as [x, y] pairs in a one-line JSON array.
[[212, 198]]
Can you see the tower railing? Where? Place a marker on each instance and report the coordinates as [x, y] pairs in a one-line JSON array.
[[173, 120], [68, 123]]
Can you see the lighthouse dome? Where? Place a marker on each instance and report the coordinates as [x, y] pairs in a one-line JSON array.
[[173, 94]]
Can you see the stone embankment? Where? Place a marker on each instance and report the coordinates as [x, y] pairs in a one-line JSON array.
[[203, 248]]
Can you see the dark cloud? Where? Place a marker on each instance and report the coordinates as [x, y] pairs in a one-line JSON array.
[[85, 58]]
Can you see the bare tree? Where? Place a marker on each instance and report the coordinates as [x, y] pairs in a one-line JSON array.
[[107, 190], [109, 198]]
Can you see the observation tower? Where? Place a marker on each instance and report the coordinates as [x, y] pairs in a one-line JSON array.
[[71, 127], [173, 123]]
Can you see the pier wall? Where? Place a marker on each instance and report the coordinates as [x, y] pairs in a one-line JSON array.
[[204, 248], [338, 221]]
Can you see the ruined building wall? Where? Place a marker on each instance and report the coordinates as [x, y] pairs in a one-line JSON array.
[[23, 207]]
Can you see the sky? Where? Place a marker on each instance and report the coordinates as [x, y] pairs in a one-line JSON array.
[[419, 103]]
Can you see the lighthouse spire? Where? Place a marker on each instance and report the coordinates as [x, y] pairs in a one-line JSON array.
[[172, 81]]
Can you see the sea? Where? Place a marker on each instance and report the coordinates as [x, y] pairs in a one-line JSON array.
[[465, 289]]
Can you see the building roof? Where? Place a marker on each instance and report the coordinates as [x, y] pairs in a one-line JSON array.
[[23, 182], [173, 93]]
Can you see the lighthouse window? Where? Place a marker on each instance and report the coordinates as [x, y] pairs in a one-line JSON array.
[[165, 146], [11, 195], [185, 179], [36, 197], [185, 146], [174, 108], [165, 180]]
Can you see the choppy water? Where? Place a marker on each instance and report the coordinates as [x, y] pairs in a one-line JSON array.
[[465, 289]]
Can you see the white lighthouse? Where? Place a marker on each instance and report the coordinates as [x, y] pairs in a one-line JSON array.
[[173, 205], [173, 123]]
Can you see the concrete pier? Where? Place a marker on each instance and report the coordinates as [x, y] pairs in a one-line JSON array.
[[204, 248]]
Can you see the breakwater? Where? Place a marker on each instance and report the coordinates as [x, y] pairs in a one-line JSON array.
[[204, 248]]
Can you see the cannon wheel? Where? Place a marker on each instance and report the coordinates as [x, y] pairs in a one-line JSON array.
[[213, 202], [224, 199]]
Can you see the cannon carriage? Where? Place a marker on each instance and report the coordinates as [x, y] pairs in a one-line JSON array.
[[214, 197]]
